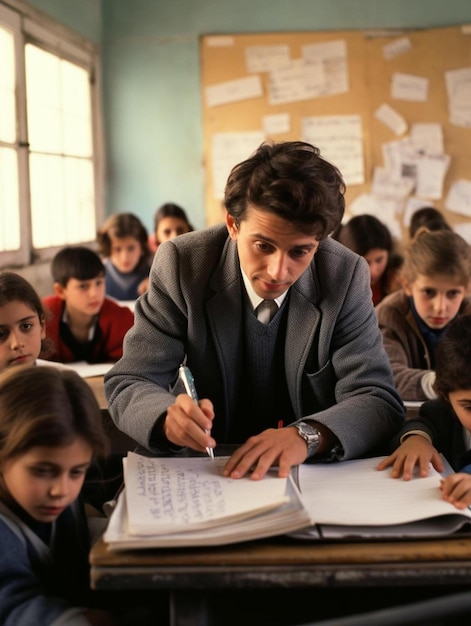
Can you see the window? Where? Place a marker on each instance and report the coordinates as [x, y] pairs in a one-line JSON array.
[[49, 150]]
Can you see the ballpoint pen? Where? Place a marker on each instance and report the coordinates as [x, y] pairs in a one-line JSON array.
[[187, 378]]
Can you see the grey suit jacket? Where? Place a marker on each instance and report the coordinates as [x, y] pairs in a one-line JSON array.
[[336, 368]]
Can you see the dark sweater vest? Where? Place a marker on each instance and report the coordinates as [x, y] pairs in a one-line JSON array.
[[263, 393]]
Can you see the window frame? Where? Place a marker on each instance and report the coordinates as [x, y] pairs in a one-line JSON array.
[[30, 26]]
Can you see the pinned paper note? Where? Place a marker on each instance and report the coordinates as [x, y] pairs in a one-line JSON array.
[[386, 114], [385, 183], [407, 87], [459, 198], [228, 149], [427, 138], [431, 171], [396, 48], [234, 90], [458, 85], [266, 58], [333, 57], [340, 140], [275, 124], [296, 81]]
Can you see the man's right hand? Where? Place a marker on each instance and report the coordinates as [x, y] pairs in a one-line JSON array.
[[189, 424]]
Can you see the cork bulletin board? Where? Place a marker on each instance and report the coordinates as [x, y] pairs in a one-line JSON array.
[[392, 109]]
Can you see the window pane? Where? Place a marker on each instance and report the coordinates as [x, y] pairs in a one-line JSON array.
[[9, 215], [59, 106], [80, 200], [61, 152], [43, 100], [7, 87], [62, 200], [76, 110]]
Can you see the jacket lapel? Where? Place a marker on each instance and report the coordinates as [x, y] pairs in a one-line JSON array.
[[225, 311], [303, 320]]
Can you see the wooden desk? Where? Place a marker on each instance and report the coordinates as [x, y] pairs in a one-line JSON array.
[[195, 575], [98, 388], [119, 441]]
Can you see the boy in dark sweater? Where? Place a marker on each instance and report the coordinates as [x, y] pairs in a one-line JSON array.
[[443, 425]]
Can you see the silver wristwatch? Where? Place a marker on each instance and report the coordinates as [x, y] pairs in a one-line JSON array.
[[310, 434]]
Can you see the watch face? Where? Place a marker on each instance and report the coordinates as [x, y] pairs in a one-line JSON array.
[[310, 434]]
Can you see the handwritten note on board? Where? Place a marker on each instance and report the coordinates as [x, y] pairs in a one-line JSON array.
[[340, 140], [234, 91]]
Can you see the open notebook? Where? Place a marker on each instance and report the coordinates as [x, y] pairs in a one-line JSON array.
[[169, 502]]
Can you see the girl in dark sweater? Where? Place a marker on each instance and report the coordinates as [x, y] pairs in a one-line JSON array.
[[50, 430]]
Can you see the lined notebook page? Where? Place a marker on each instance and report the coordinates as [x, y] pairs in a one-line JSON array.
[[355, 493]]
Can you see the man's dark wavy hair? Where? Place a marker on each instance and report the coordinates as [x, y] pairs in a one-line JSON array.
[[292, 180]]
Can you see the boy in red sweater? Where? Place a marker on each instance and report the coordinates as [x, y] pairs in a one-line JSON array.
[[81, 322]]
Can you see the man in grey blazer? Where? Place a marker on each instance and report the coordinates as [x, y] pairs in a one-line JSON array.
[[313, 381]]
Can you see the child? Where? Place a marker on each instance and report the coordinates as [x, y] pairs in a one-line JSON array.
[[122, 241], [170, 220], [443, 425], [22, 322], [81, 322], [50, 429], [435, 276], [427, 216], [369, 237]]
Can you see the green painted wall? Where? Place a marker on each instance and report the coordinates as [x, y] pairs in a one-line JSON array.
[[83, 16]]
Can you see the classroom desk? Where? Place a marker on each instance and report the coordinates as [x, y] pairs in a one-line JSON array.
[[98, 388], [194, 575], [119, 441]]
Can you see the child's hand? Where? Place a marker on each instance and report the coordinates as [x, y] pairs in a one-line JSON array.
[[456, 489], [414, 451]]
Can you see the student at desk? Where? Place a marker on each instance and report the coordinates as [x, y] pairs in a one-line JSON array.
[[435, 279], [444, 424], [122, 242], [318, 368], [50, 430], [170, 220], [82, 324], [368, 236]]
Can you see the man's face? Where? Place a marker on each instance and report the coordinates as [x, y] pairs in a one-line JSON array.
[[273, 253]]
